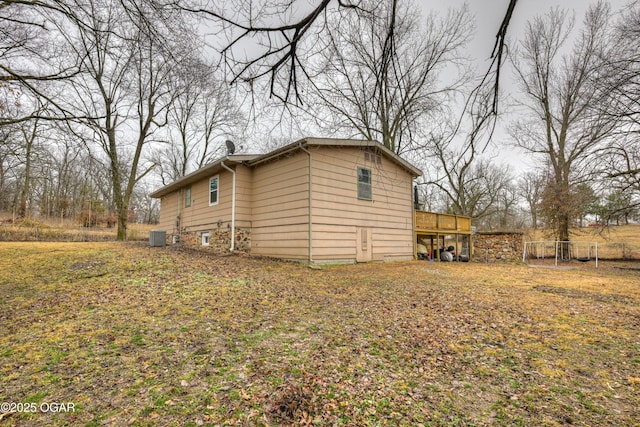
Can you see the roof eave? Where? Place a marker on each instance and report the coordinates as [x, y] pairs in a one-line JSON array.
[[334, 142], [195, 176]]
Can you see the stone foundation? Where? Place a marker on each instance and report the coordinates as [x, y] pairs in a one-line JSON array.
[[498, 246], [219, 240]]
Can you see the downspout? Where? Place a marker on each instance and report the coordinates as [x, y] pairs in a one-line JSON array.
[[413, 221], [233, 206], [180, 201], [310, 205]]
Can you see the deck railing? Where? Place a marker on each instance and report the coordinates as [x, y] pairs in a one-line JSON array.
[[440, 223]]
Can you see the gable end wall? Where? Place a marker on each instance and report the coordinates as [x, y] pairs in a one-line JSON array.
[[338, 213]]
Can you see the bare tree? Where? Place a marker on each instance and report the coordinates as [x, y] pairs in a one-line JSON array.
[[30, 133], [122, 94], [472, 184], [505, 211], [620, 87], [623, 161], [9, 164], [283, 30], [203, 113], [530, 186], [564, 127], [620, 81], [66, 173], [387, 91], [31, 61]]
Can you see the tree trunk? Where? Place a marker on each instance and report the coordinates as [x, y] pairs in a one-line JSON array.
[[119, 198], [121, 234], [563, 227], [24, 194]]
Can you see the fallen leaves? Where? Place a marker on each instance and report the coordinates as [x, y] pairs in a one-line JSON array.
[[171, 337]]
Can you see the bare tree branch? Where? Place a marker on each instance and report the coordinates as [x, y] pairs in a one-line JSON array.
[[281, 59]]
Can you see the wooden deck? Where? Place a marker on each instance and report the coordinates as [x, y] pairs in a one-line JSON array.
[[437, 231], [430, 223]]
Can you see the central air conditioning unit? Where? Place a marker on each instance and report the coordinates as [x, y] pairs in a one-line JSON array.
[[157, 238]]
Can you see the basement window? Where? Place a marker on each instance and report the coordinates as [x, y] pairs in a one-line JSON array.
[[364, 184], [205, 239]]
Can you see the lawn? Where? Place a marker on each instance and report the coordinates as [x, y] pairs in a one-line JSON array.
[[614, 242], [124, 334]]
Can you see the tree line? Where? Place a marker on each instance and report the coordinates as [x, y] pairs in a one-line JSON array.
[[102, 100]]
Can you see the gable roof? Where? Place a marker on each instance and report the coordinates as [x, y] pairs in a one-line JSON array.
[[337, 142], [256, 159]]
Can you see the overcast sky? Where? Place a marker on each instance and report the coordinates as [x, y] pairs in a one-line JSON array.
[[489, 13], [488, 16]]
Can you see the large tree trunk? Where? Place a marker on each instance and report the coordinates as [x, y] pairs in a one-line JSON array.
[[119, 198], [563, 227], [121, 234]]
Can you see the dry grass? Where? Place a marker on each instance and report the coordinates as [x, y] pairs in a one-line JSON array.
[[158, 336], [615, 242], [54, 231]]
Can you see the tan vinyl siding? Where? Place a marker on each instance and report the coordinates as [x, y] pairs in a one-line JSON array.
[[280, 213], [334, 243], [169, 211], [392, 244], [272, 200], [243, 196], [337, 211], [200, 216]]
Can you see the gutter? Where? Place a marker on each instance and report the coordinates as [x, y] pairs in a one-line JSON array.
[[310, 203], [208, 170], [233, 206]]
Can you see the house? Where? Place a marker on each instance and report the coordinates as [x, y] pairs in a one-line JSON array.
[[316, 200]]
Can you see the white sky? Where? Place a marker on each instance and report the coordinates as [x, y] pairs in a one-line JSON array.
[[488, 16]]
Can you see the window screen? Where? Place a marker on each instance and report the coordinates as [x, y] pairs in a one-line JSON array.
[[213, 191], [364, 183]]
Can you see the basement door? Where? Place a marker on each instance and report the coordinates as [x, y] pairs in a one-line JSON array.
[[364, 245]]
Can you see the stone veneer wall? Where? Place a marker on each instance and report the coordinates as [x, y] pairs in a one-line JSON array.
[[219, 240], [498, 246]]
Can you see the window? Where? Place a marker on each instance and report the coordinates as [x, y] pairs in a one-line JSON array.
[[364, 184], [373, 155], [213, 190], [187, 196], [205, 239]]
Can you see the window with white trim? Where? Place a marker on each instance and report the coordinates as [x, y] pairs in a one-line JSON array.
[[214, 184], [364, 184], [205, 239], [187, 196]]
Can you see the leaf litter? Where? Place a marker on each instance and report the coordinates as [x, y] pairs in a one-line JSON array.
[[148, 336]]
